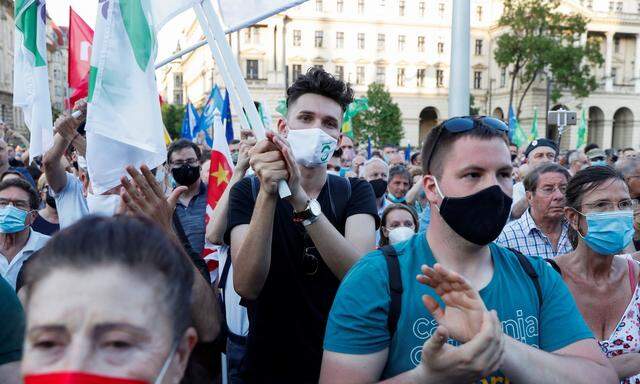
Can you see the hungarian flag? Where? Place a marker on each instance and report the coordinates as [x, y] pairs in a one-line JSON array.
[[80, 42], [30, 75], [220, 172]]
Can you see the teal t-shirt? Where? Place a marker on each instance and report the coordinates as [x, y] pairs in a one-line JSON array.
[[13, 323], [358, 319]]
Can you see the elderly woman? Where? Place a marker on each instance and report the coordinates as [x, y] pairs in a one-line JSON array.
[[605, 287], [399, 223], [105, 307]]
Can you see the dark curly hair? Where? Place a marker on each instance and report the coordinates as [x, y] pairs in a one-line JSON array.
[[320, 82]]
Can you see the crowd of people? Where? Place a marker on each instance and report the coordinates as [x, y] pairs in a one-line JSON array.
[[469, 260]]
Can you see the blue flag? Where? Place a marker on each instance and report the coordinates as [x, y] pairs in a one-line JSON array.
[[205, 122], [226, 117], [513, 123], [407, 153], [368, 147], [189, 122]]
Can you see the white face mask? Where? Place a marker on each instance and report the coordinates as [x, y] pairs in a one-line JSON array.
[[104, 205], [311, 147], [400, 234]]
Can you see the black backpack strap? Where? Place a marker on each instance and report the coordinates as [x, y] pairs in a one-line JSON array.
[[225, 273], [255, 186], [395, 287], [530, 271], [555, 265]]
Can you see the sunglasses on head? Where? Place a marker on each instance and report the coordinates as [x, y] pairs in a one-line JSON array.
[[464, 124]]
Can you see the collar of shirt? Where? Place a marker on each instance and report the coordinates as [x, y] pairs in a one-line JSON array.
[[35, 242], [202, 191], [530, 225]]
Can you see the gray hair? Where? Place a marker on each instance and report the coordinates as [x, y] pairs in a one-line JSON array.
[[573, 156], [531, 181], [628, 167], [376, 160]]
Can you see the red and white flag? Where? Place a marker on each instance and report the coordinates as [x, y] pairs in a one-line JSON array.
[[80, 42], [220, 172]]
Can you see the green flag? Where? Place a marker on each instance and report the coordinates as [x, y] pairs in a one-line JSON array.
[[582, 130], [534, 126], [281, 108], [357, 106], [519, 138]]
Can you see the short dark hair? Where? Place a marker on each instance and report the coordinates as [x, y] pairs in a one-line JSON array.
[[627, 149], [389, 146], [590, 146], [400, 170], [34, 199], [446, 141], [182, 144], [531, 180], [116, 241], [234, 141], [320, 82], [583, 182]]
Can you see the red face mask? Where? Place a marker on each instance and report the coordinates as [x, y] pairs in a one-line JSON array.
[[77, 378]]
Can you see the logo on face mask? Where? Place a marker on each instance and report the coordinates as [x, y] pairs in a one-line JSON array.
[[311, 147], [325, 152]]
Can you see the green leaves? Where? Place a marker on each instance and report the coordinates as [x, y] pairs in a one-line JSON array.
[[382, 121]]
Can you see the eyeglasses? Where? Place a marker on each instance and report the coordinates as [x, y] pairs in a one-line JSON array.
[[20, 204], [465, 124], [607, 206], [180, 163], [549, 189]]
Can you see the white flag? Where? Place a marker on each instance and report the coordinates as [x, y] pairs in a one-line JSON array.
[[30, 76], [238, 14], [124, 123], [164, 10]]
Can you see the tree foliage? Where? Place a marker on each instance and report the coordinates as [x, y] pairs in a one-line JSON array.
[[172, 115], [538, 38], [382, 122]]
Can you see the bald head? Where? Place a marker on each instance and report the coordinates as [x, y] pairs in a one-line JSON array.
[[376, 168]]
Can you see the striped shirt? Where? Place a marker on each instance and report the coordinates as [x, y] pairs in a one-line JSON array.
[[524, 236]]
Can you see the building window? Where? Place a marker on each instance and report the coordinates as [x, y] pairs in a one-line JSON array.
[[340, 6], [440, 47], [420, 75], [252, 69], [439, 78], [611, 6], [360, 7], [479, 13], [360, 75], [296, 71], [247, 35], [421, 8], [297, 37], [339, 72], [380, 75], [619, 7], [400, 77], [503, 77], [478, 47], [381, 41], [177, 80], [401, 6], [590, 4], [614, 75], [477, 80], [360, 40], [318, 5], [441, 9], [616, 45], [420, 43], [177, 97], [318, 66], [339, 39], [319, 38], [401, 41]]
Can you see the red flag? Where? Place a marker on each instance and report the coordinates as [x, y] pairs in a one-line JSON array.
[[220, 171], [80, 92], [80, 41]]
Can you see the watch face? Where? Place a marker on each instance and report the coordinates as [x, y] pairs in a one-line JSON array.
[[315, 207]]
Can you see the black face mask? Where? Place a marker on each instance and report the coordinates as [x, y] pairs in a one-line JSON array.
[[379, 187], [513, 157], [186, 174], [478, 218], [50, 200]]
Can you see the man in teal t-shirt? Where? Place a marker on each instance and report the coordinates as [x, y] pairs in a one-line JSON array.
[[468, 184]]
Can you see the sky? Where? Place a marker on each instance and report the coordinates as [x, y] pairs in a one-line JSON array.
[[87, 9]]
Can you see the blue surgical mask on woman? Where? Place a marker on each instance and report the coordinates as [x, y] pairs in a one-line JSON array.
[[12, 219], [609, 233]]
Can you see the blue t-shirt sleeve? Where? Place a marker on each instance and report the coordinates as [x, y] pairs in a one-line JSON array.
[[358, 318], [561, 322]]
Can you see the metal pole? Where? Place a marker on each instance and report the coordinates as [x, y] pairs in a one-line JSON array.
[[546, 115], [460, 46], [181, 53]]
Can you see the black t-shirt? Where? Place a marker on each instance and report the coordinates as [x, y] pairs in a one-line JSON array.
[[43, 226], [288, 319]]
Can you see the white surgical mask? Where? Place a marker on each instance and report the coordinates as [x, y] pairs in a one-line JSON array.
[[311, 147], [104, 205], [400, 234]]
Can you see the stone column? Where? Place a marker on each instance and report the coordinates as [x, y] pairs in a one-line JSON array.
[[608, 87], [607, 134], [636, 65]]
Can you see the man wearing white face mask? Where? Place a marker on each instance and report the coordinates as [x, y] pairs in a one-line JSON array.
[[290, 255]]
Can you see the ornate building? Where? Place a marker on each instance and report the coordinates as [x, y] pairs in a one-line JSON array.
[[405, 44]]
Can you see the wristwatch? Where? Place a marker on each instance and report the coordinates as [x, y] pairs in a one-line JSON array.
[[310, 214]]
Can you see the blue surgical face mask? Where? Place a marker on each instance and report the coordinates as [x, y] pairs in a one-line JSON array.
[[396, 200], [12, 219], [609, 233], [599, 163]]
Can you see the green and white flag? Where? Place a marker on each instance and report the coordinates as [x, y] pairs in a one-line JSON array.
[[582, 130], [30, 76], [124, 122]]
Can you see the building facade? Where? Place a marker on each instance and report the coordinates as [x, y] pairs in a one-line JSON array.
[[8, 114], [405, 44]]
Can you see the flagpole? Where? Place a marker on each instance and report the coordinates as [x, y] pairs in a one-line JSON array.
[[231, 74], [459, 78]]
